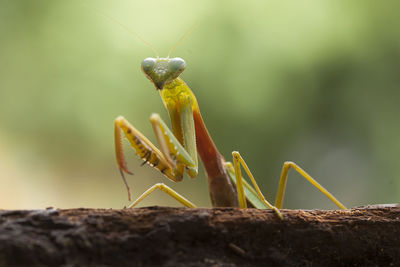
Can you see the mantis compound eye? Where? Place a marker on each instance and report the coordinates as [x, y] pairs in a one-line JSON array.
[[177, 65], [148, 65]]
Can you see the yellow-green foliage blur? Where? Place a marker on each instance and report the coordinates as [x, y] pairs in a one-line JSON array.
[[315, 82]]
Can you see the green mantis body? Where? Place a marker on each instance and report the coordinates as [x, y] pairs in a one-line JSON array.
[[178, 147]]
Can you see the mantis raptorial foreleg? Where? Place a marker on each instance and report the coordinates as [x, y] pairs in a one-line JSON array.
[[171, 159]]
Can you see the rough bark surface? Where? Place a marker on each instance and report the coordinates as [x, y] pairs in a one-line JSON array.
[[200, 237]]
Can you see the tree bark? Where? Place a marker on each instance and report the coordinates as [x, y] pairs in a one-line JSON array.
[[165, 236]]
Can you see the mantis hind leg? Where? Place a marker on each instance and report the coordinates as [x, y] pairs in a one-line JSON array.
[[283, 179]]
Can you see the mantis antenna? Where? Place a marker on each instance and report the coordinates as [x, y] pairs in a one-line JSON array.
[[183, 37], [127, 29]]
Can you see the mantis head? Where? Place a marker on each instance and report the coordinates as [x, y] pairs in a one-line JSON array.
[[161, 71]]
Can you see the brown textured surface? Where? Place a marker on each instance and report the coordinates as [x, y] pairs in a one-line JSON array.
[[196, 237]]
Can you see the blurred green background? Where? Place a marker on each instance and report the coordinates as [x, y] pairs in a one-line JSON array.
[[315, 82]]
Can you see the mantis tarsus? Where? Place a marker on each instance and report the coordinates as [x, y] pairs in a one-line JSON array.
[[178, 148]]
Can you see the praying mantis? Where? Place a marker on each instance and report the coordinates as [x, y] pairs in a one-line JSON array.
[[178, 147]]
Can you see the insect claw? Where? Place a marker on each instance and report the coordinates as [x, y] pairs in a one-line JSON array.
[[144, 162]]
